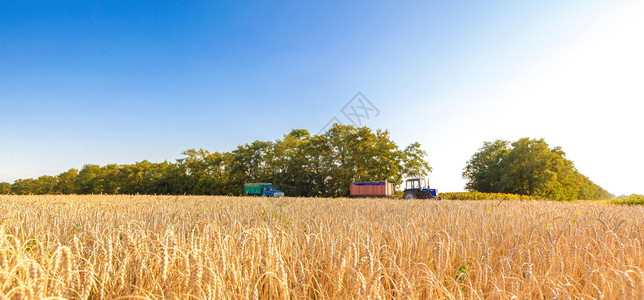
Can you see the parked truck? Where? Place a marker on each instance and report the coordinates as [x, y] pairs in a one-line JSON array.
[[372, 189], [262, 189]]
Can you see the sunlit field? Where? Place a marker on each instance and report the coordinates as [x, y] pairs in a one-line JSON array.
[[101, 247]]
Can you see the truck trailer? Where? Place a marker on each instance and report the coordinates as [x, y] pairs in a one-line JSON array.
[[373, 189]]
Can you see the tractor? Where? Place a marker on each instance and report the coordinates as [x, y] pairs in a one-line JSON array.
[[418, 188]]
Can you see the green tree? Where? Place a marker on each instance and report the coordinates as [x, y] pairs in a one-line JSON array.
[[345, 154], [204, 173], [414, 162], [484, 171], [528, 167], [89, 180], [65, 182], [145, 177], [289, 163], [250, 163], [5, 188], [23, 187], [44, 185], [108, 179], [316, 169]]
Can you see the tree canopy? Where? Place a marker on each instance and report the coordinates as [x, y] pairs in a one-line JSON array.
[[528, 167], [299, 163]]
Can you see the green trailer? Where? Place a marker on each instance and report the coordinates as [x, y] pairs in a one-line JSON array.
[[262, 189]]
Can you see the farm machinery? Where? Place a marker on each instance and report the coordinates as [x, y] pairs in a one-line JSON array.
[[418, 188], [415, 188], [262, 189]]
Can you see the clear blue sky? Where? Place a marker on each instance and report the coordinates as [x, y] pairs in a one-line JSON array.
[[123, 81]]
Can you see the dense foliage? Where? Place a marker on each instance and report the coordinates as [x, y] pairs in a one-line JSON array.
[[300, 164], [631, 200], [528, 167], [485, 196]]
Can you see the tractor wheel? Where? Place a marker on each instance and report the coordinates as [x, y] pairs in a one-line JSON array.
[[409, 196]]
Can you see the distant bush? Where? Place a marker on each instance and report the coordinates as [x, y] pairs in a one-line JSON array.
[[485, 196], [634, 199]]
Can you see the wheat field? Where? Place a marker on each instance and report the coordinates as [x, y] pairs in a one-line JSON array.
[[198, 247]]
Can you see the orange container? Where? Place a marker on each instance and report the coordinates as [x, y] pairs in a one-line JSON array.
[[373, 189]]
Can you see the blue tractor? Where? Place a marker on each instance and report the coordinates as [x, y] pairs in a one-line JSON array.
[[418, 188]]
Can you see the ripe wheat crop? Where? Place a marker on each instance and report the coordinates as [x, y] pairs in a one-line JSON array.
[[485, 196], [101, 247]]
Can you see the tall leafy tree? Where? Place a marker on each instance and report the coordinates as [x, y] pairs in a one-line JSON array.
[[413, 161], [289, 163], [24, 186], [528, 167], [5, 188], [89, 180], [204, 172], [65, 182], [485, 169], [44, 185]]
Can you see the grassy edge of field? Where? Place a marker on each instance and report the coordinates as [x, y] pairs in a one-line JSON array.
[[634, 199]]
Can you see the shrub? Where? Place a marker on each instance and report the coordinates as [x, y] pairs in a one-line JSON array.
[[633, 199]]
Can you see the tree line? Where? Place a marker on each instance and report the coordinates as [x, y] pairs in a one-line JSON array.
[[528, 167], [300, 164], [325, 165]]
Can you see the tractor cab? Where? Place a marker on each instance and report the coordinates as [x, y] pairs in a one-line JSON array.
[[415, 184], [418, 188]]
